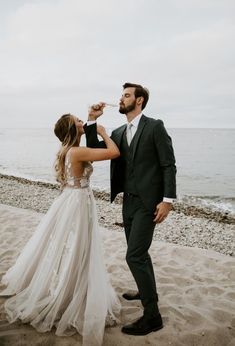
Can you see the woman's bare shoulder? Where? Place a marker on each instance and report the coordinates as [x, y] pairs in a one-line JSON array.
[[77, 153]]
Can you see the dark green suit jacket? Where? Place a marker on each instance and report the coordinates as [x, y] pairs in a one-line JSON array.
[[153, 157]]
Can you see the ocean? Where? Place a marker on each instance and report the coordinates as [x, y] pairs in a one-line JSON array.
[[205, 161]]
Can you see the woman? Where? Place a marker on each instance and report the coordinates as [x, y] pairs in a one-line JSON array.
[[59, 279]]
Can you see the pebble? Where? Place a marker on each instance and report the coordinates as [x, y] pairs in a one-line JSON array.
[[185, 225]]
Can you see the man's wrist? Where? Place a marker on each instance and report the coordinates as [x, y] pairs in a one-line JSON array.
[[91, 118]]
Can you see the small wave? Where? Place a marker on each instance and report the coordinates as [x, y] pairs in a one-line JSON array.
[[216, 197], [215, 203]]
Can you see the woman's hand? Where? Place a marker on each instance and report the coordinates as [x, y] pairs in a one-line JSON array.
[[101, 131]]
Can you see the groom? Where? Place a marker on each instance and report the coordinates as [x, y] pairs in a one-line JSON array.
[[145, 172]]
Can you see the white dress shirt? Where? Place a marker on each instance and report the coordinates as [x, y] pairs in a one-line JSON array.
[[135, 123]]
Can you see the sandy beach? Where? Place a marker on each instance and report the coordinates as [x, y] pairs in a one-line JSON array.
[[193, 257]]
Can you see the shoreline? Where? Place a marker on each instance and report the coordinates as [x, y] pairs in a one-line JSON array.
[[179, 207], [186, 225]]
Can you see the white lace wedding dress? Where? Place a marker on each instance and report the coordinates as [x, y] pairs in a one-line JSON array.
[[60, 279]]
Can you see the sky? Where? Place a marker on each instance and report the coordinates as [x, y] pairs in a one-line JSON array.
[[60, 56]]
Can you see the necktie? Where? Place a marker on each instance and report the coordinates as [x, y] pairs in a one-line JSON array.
[[129, 133]]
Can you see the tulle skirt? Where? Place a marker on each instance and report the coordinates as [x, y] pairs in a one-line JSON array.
[[60, 279]]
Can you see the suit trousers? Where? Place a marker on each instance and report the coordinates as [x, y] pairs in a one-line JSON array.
[[139, 227]]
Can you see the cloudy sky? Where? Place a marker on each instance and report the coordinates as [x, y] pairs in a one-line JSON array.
[[59, 56]]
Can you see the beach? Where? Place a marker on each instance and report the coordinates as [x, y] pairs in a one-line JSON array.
[[193, 255]]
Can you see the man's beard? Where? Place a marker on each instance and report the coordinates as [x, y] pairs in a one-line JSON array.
[[127, 109]]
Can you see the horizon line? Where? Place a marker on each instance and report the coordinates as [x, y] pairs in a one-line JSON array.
[[169, 127]]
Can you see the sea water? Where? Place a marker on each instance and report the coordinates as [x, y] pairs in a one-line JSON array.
[[205, 160]]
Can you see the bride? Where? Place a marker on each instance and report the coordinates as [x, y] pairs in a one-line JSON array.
[[59, 280]]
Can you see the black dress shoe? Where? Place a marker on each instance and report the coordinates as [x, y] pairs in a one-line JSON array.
[[144, 326], [129, 296]]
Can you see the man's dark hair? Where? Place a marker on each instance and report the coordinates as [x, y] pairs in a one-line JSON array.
[[139, 91]]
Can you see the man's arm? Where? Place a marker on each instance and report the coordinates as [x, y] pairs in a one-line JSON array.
[[90, 127], [167, 162], [92, 139]]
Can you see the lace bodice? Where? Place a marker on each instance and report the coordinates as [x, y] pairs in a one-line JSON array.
[[74, 181]]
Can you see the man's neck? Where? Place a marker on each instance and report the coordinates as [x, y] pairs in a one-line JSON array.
[[133, 114]]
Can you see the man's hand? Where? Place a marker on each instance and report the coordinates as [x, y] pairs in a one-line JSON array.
[[162, 210], [95, 111]]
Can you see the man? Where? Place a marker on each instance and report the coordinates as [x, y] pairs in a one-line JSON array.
[[145, 172]]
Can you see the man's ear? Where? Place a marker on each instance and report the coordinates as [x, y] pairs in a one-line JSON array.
[[140, 100]]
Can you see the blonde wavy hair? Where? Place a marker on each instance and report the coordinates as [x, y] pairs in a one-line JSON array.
[[66, 130]]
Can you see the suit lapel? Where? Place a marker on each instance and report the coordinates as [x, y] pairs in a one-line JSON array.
[[117, 136], [140, 128]]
